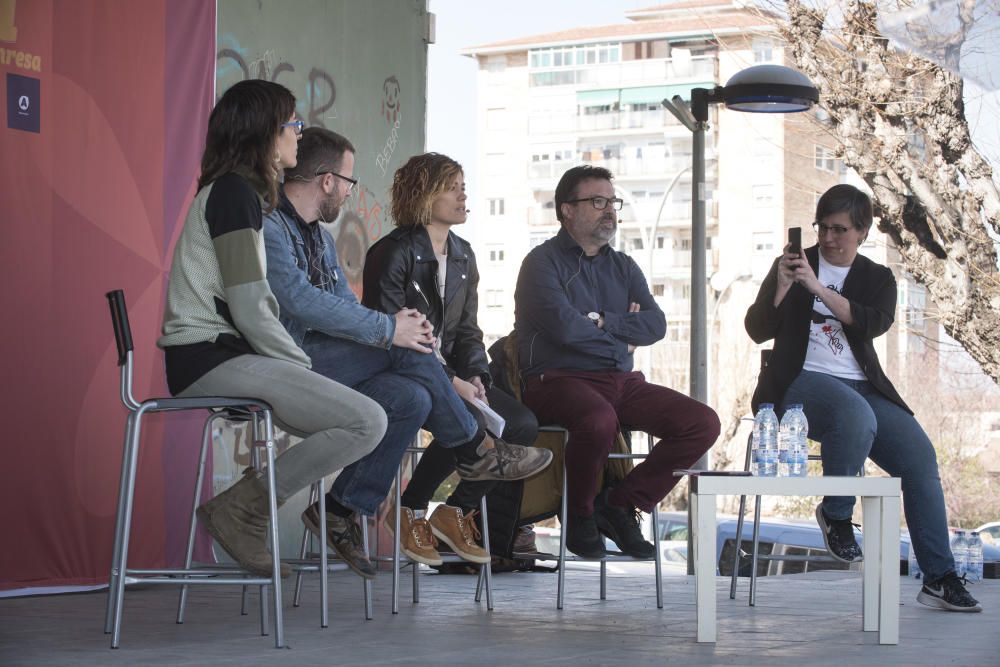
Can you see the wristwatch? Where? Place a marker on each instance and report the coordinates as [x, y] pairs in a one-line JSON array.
[[594, 317]]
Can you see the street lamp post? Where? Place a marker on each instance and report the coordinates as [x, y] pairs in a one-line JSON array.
[[759, 89]]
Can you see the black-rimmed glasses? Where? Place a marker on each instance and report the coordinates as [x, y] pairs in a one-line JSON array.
[[296, 125], [822, 229], [352, 181], [601, 203]]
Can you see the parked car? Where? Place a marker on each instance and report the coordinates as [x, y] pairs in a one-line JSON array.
[[990, 532]]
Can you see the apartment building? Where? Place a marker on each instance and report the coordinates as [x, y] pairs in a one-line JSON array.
[[592, 95]]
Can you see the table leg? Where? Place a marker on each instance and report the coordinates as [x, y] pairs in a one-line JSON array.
[[703, 507], [871, 527], [888, 621]]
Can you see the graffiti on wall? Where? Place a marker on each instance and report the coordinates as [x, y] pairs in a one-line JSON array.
[[316, 101]]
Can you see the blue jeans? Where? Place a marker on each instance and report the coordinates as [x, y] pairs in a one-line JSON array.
[[414, 391], [852, 421]]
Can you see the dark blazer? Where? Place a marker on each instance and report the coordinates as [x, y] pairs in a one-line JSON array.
[[401, 272], [871, 290]]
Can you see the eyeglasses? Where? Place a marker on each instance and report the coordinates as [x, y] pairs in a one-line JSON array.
[[600, 203], [822, 229], [352, 181], [298, 125]]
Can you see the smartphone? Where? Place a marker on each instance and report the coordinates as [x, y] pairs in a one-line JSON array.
[[795, 240]]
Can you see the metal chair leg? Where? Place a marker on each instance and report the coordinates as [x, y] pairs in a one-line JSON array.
[[304, 549], [486, 570], [395, 542], [265, 626], [561, 579], [324, 560], [756, 547], [367, 582], [120, 566], [659, 555], [272, 497], [604, 579], [119, 526], [206, 438]]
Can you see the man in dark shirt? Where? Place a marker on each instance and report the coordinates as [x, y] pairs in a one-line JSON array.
[[581, 310]]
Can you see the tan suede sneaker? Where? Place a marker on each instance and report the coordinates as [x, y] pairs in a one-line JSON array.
[[459, 532], [416, 540]]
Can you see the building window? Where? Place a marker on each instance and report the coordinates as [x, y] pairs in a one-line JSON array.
[[637, 243], [825, 159], [763, 195], [537, 239], [496, 254], [684, 244], [496, 64], [496, 206], [494, 299], [763, 243], [659, 289], [763, 50]]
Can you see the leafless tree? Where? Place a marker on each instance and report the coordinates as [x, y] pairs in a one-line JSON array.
[[899, 121]]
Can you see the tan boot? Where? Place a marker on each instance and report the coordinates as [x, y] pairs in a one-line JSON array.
[[415, 537], [237, 520], [459, 532]]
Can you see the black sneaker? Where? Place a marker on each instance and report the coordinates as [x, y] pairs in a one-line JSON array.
[[344, 536], [948, 593], [838, 534], [582, 537], [622, 527]]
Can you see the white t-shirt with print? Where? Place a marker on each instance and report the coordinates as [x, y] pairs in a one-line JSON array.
[[828, 351]]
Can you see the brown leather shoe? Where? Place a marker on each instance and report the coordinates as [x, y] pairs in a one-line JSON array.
[[459, 532], [237, 520], [416, 540]]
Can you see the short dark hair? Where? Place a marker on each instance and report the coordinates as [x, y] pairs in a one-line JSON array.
[[844, 198], [566, 189], [242, 133], [320, 150]]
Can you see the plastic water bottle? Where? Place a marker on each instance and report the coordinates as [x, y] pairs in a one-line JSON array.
[[765, 441], [960, 552], [974, 572], [793, 454]]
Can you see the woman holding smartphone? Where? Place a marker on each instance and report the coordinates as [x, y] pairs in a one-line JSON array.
[[824, 307]]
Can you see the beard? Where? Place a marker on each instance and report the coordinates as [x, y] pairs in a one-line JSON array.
[[329, 210]]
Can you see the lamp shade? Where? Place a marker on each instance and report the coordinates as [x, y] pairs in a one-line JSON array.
[[769, 89]]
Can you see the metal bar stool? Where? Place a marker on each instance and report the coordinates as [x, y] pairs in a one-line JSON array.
[[564, 557], [485, 578], [120, 572], [311, 561]]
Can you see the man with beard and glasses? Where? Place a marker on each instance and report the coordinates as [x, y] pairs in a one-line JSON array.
[[385, 357], [581, 308]]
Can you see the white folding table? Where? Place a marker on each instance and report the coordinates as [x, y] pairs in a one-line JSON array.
[[880, 505]]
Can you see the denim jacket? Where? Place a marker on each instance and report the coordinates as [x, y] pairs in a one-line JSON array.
[[333, 309]]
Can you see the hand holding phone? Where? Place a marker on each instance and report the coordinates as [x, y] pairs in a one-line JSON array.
[[795, 240]]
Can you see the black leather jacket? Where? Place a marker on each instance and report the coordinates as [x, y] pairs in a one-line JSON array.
[[401, 272]]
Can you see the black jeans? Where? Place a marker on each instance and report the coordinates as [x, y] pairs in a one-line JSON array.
[[438, 462]]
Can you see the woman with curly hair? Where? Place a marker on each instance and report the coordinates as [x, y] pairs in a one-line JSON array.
[[423, 264]]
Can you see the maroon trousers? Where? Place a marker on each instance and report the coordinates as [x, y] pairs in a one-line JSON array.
[[592, 406]]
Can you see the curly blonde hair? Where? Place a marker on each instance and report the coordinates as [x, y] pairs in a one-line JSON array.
[[417, 184]]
